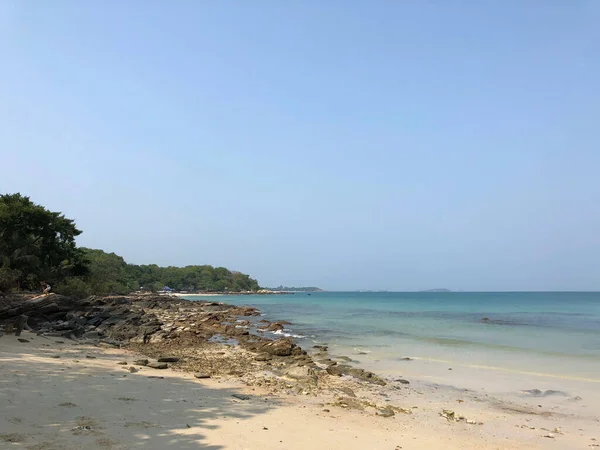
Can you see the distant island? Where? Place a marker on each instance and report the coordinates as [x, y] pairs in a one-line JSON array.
[[296, 289], [437, 290]]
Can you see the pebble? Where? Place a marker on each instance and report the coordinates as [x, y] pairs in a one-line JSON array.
[[24, 341], [133, 369], [141, 362], [122, 363], [157, 378], [201, 375]]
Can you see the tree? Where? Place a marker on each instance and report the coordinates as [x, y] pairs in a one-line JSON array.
[[35, 244]]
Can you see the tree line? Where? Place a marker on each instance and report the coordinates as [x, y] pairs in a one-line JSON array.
[[39, 245]]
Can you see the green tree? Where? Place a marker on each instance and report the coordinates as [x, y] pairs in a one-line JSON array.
[[35, 244]]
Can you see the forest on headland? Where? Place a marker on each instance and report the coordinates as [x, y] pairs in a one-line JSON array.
[[39, 245]]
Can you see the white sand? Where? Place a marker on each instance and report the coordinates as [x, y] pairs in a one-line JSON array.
[[78, 403]]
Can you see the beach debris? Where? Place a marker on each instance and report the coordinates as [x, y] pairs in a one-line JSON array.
[[201, 375], [241, 396], [158, 365], [167, 359], [67, 405], [122, 363], [141, 362], [348, 402], [549, 435], [452, 416]]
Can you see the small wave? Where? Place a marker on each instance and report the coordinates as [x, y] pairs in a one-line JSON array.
[[287, 334], [361, 349]]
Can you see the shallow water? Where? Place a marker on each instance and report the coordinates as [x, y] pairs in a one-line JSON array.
[[555, 333]]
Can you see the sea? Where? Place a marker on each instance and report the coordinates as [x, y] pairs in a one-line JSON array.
[[554, 334]]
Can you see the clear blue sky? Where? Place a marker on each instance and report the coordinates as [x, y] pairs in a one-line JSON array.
[[345, 144]]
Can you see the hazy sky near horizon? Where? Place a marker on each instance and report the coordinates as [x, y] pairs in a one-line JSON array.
[[342, 144]]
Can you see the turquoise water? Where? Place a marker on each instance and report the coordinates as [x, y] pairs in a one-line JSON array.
[[523, 329]]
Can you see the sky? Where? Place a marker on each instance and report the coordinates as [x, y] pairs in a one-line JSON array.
[[397, 145]]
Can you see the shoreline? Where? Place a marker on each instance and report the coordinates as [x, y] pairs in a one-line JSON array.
[[322, 383]]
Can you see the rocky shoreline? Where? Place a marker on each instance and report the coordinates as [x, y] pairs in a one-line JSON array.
[[210, 339]]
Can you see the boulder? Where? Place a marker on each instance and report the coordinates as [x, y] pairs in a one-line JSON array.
[[280, 347]]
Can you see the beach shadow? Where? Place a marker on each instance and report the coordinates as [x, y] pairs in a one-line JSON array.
[[57, 403]]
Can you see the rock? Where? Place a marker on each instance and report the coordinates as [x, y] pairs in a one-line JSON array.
[[299, 373], [275, 326], [280, 347], [485, 319], [385, 412], [347, 402], [323, 348], [406, 358], [402, 381], [201, 375], [91, 335], [90, 357], [263, 357], [122, 363], [241, 396], [158, 365], [55, 356], [24, 341], [344, 358], [141, 362], [133, 369], [156, 378], [168, 359], [327, 362]]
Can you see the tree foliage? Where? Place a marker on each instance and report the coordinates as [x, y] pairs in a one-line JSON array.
[[109, 272], [35, 244]]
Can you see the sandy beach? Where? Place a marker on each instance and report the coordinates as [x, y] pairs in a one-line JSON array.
[[59, 394], [155, 372]]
